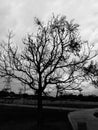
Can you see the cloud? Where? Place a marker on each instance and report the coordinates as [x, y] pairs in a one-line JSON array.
[[4, 13], [18, 15]]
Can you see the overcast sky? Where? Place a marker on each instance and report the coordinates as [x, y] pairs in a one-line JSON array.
[[17, 15]]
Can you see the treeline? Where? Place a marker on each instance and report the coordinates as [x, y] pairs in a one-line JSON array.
[[78, 97], [70, 97], [6, 94]]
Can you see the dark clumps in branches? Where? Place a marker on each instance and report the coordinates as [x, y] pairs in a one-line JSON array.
[[91, 73]]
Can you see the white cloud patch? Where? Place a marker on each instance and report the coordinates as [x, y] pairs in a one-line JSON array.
[[18, 15]]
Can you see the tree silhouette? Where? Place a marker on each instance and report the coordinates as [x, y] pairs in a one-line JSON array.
[[7, 86], [7, 83], [91, 73], [54, 55]]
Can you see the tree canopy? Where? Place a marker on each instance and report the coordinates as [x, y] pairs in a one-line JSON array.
[[54, 55]]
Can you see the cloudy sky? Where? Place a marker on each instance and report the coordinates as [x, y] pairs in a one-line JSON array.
[[17, 15]]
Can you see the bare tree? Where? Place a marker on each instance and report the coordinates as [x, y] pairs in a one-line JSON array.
[[91, 73], [54, 55], [7, 83], [24, 87]]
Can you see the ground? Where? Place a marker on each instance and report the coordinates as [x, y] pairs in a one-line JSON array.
[[21, 118]]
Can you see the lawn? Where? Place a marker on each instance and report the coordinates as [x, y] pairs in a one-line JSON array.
[[22, 118]]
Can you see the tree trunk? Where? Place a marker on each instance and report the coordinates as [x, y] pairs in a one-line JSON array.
[[39, 110], [40, 105]]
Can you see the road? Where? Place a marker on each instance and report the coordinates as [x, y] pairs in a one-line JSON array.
[[85, 117]]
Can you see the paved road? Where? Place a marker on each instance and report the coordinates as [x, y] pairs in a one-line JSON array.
[[85, 117]]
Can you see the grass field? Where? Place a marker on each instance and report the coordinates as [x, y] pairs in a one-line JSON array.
[[54, 103], [22, 118]]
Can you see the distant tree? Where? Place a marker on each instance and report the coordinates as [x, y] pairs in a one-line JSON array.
[[21, 91], [54, 55], [91, 73], [24, 87], [7, 83]]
